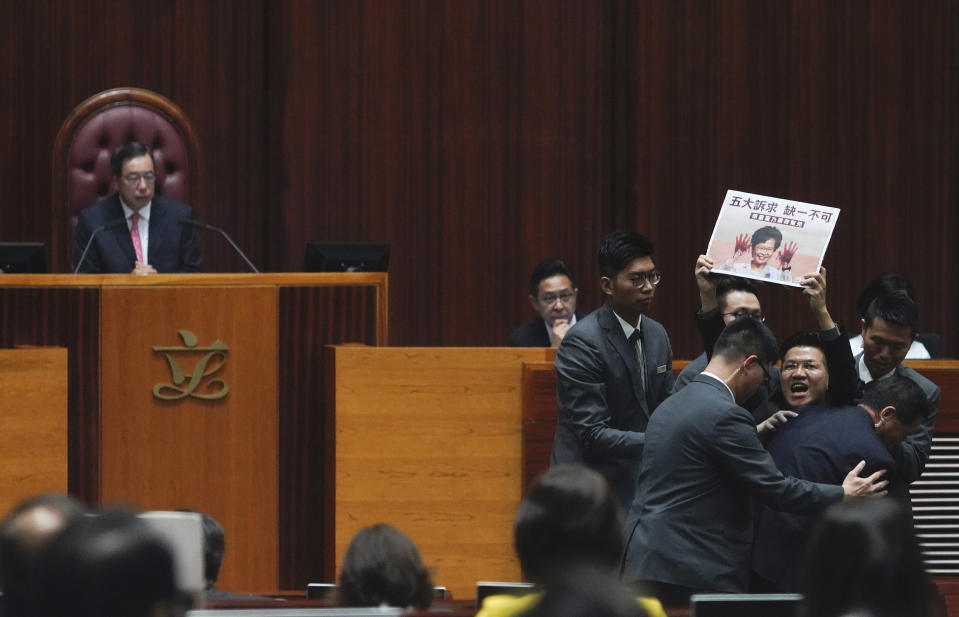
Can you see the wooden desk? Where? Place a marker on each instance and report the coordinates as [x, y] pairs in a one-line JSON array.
[[253, 459]]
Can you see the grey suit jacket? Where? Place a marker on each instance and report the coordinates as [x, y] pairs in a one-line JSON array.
[[691, 520], [603, 406]]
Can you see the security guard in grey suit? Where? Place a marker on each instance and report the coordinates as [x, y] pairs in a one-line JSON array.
[[613, 368], [702, 466]]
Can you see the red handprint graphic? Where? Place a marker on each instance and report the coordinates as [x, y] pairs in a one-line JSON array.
[[786, 254], [742, 247]]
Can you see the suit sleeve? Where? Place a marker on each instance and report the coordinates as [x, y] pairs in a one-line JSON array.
[[710, 326], [191, 259], [581, 394], [913, 452], [843, 378], [740, 454], [91, 262]]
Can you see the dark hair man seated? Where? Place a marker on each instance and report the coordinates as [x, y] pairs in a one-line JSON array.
[[703, 465], [552, 294], [818, 445], [152, 239]]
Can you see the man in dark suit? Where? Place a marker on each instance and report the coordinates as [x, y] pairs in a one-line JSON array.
[[702, 467], [152, 239], [552, 293], [888, 329], [613, 368], [819, 445]]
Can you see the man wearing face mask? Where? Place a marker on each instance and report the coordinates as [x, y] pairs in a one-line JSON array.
[[818, 445], [552, 294]]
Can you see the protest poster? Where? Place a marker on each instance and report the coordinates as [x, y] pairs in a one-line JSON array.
[[770, 238]]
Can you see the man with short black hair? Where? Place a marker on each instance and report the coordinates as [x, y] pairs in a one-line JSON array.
[[552, 294], [818, 445], [703, 465], [152, 240], [888, 329], [613, 369]]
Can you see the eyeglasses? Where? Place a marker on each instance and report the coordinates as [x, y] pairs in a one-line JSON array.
[[563, 297], [757, 315], [766, 377], [793, 366], [134, 179], [639, 280]]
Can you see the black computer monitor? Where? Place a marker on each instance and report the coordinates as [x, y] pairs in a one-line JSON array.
[[23, 257], [346, 257]]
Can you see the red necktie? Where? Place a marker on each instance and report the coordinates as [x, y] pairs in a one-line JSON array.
[[135, 236]]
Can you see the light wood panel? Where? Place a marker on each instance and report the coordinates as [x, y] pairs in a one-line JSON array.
[[216, 456], [429, 440], [33, 423]]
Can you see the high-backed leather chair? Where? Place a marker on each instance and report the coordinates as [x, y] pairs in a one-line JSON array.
[[90, 134]]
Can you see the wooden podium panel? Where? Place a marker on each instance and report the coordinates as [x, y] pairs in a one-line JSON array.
[[429, 440], [207, 455], [216, 456], [33, 424]]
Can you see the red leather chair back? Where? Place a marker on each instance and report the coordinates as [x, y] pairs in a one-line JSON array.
[[81, 163]]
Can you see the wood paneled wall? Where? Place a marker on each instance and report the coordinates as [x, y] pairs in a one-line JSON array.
[[478, 136]]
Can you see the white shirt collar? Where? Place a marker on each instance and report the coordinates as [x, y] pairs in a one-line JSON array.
[[144, 212], [864, 373], [627, 328], [725, 385]]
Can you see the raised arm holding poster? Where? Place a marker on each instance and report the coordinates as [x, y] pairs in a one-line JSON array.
[[769, 238]]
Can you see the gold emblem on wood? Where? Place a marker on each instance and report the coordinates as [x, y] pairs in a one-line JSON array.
[[213, 361]]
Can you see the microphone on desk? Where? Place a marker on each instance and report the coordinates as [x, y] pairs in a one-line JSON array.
[[86, 248], [207, 226]]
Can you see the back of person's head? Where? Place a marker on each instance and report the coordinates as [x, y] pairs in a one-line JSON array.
[[767, 233], [587, 593], [745, 337], [108, 565], [549, 268], [862, 556], [802, 339], [619, 248], [882, 285], [125, 152], [24, 532], [729, 284], [568, 519], [899, 392], [214, 546], [895, 308], [383, 566]]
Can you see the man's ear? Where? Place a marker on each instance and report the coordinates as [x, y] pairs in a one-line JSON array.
[[862, 327], [606, 284], [888, 413], [533, 303]]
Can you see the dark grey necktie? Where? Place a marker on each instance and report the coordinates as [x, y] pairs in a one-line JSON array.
[[637, 344]]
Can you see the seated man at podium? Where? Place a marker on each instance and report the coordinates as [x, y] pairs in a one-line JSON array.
[[135, 230], [552, 293]]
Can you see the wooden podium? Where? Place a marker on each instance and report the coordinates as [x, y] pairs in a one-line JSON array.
[[204, 392]]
